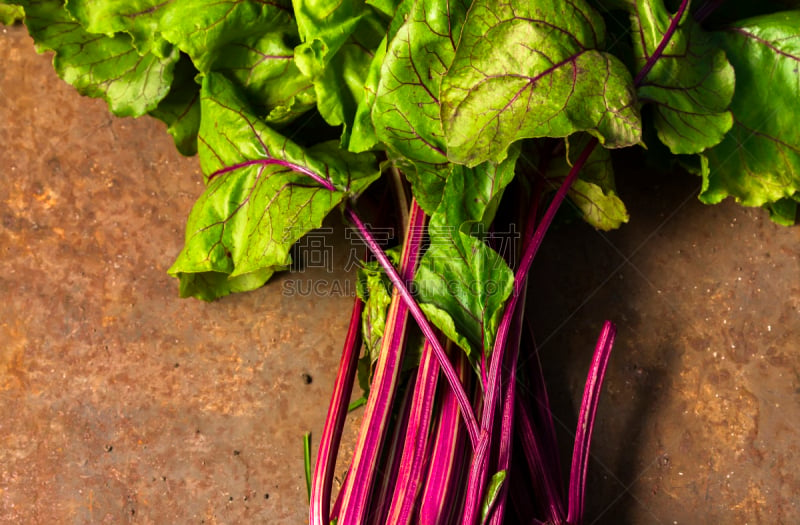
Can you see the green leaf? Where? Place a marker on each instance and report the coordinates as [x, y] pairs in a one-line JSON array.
[[492, 491], [251, 42], [534, 69], [260, 196], [690, 86], [10, 14], [341, 86], [387, 7], [180, 109], [263, 66], [141, 19], [362, 137], [462, 283], [324, 27], [594, 193], [207, 29], [406, 113], [100, 66], [375, 289], [758, 162], [784, 211]]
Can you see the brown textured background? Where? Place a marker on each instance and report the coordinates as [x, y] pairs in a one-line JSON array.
[[120, 403]]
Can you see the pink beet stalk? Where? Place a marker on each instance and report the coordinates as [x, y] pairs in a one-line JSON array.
[[583, 436], [334, 423], [416, 440], [357, 489], [441, 493], [479, 473], [424, 325], [497, 513]]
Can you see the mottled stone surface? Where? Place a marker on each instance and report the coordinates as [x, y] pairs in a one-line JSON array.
[[120, 402]]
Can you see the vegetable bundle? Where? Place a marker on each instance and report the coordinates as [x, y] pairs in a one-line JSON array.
[[474, 117]]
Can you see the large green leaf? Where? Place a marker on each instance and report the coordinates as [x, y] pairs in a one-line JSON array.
[[260, 196], [108, 67], [206, 30], [594, 192], [263, 66], [461, 282], [139, 18], [534, 69], [758, 162], [690, 85], [406, 114]]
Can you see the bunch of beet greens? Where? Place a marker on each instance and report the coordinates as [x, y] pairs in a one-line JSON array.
[[475, 117]]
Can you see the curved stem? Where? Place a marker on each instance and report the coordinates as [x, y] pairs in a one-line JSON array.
[[427, 330], [479, 469], [377, 414], [583, 436], [673, 26], [325, 183]]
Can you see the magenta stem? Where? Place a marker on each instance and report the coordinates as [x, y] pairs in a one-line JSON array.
[[479, 469], [442, 491], [334, 422], [586, 418], [427, 330], [374, 426], [497, 514], [381, 504], [416, 441], [325, 183], [652, 59]]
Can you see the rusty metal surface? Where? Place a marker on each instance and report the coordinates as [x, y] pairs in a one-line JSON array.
[[700, 417], [120, 403]]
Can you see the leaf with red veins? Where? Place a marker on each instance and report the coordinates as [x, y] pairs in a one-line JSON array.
[[205, 29], [251, 42], [534, 69], [758, 162], [198, 27], [406, 113], [263, 193], [107, 67], [690, 84], [594, 192], [462, 283], [263, 66]]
